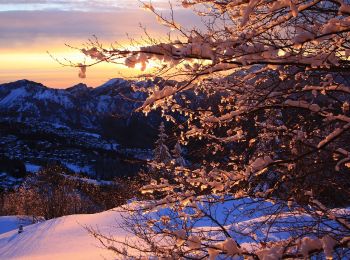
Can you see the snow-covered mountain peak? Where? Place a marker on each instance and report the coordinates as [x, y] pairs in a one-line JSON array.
[[112, 82], [79, 90], [78, 87], [77, 106]]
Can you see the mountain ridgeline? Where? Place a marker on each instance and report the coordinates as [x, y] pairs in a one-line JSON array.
[[107, 110]]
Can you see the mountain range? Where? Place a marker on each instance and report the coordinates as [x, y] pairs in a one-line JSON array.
[[107, 109]]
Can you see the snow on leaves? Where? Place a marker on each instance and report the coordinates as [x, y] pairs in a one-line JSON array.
[[302, 104], [82, 72], [264, 99], [258, 165]]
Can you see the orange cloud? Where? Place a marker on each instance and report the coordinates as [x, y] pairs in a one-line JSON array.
[[26, 36]]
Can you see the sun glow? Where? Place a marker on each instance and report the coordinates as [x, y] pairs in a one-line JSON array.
[[39, 66], [150, 65]]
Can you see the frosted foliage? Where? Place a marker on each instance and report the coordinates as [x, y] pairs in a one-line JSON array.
[[229, 246], [82, 72], [328, 244], [258, 95], [273, 253], [194, 242], [309, 244]]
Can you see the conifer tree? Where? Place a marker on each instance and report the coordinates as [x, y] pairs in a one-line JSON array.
[[177, 154], [161, 152]]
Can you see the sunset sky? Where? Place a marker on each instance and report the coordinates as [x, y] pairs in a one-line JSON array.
[[30, 28]]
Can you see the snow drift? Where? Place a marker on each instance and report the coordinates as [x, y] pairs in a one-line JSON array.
[[61, 238]]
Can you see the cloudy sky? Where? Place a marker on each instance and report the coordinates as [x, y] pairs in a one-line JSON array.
[[30, 28]]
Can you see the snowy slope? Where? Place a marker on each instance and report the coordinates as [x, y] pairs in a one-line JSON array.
[[66, 238], [8, 223], [62, 238]]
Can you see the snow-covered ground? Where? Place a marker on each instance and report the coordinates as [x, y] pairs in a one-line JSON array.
[[77, 169], [66, 237], [32, 167], [73, 167], [7, 180], [90, 181], [61, 238], [8, 223]]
